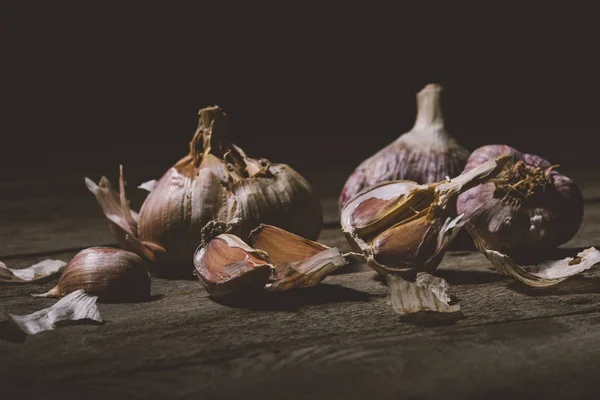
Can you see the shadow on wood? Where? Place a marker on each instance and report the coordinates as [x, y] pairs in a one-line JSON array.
[[432, 318], [457, 277], [574, 285], [295, 299]]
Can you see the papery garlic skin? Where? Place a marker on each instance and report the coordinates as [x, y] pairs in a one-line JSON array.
[[530, 218], [114, 275], [425, 154]]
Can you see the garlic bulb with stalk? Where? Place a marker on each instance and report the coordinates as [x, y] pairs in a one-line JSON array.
[[114, 275], [530, 207], [215, 181], [425, 154]]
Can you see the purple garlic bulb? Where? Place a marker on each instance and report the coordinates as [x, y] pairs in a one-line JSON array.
[[426, 154], [529, 207]]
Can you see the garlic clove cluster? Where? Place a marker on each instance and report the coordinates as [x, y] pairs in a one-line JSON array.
[[215, 181], [403, 227], [277, 260], [425, 154], [113, 275]]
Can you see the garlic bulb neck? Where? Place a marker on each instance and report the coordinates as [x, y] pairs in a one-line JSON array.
[[429, 108], [211, 134]]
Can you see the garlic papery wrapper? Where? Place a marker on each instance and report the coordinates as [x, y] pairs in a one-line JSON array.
[[547, 273], [403, 227], [227, 266], [113, 275], [36, 273], [298, 262], [425, 154], [529, 208], [215, 181], [77, 305]]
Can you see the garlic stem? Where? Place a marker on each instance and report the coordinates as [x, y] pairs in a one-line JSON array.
[[429, 108]]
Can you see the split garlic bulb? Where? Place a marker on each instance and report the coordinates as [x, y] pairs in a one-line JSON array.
[[425, 154], [529, 207], [216, 181]]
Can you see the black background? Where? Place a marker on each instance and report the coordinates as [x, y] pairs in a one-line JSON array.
[[87, 87]]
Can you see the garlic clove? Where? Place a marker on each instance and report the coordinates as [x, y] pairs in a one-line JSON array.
[[227, 266], [283, 246], [114, 275], [299, 262], [426, 154], [405, 244]]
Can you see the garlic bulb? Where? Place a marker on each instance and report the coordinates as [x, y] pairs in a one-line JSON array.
[[403, 227], [425, 154], [215, 181], [529, 207], [277, 260], [113, 275]]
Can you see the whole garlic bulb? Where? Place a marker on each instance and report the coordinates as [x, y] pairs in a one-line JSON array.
[[529, 207], [425, 154], [216, 181], [114, 275]]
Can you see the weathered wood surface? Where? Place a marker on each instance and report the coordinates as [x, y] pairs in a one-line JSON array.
[[338, 340]]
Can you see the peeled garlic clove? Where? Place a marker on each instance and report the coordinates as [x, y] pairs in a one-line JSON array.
[[529, 208], [114, 275], [215, 181], [408, 226], [227, 266], [299, 262], [425, 154]]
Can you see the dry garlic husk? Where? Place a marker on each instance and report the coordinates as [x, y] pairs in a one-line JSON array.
[[404, 227], [545, 274], [425, 154], [298, 262], [215, 181], [113, 275], [528, 208]]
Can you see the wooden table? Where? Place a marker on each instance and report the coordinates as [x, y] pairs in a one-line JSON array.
[[338, 340]]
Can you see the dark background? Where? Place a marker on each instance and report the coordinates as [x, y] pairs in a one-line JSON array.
[[87, 87]]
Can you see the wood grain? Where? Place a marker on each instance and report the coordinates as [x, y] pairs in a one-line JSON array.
[[338, 340]]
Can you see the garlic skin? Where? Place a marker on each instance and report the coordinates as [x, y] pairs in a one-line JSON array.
[[425, 154], [402, 227], [114, 275], [215, 181], [529, 208]]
